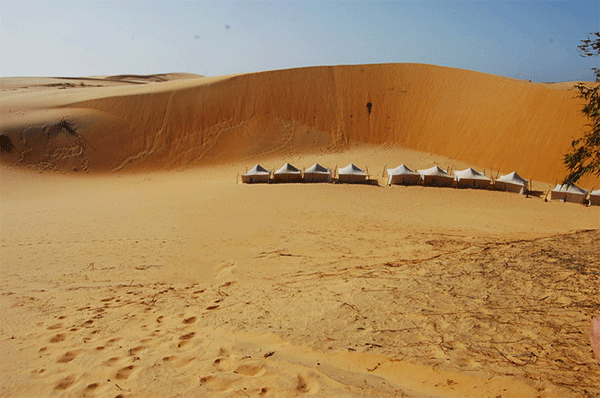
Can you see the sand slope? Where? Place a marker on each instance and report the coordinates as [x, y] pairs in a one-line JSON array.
[[484, 120]]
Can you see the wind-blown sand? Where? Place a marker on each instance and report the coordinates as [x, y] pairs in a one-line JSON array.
[[164, 280]]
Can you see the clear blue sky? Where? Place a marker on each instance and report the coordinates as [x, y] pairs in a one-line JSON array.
[[525, 40]]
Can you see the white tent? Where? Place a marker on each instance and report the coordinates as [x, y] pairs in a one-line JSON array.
[[595, 198], [287, 173], [352, 174], [436, 176], [568, 193], [256, 174], [317, 173], [512, 183], [402, 175], [472, 179]]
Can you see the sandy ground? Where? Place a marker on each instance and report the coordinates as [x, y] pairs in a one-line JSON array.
[[151, 272], [188, 284]]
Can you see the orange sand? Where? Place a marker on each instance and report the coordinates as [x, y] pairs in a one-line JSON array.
[[165, 280], [488, 121]]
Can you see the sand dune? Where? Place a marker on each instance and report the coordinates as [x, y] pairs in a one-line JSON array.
[[488, 121], [165, 279]]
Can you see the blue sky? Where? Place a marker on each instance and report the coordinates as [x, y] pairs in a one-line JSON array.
[[525, 40]]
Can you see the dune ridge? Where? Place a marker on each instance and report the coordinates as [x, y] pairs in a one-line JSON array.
[[494, 122]]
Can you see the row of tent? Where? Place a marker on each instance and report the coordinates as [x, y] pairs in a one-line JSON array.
[[315, 173], [402, 175]]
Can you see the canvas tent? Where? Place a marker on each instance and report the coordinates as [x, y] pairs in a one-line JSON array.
[[595, 198], [402, 175], [436, 176], [472, 179], [568, 193], [287, 173], [512, 183], [352, 174], [317, 173], [256, 174]]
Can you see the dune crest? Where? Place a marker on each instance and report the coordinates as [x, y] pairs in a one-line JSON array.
[[486, 120]]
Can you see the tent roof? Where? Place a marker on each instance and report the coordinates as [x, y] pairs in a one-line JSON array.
[[317, 168], [433, 171], [513, 178], [351, 169], [401, 170], [569, 188], [470, 174], [258, 169], [595, 193], [287, 168]]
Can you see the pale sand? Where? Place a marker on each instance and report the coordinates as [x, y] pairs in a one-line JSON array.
[[184, 283]]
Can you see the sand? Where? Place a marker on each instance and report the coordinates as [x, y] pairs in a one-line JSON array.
[[166, 277], [185, 120]]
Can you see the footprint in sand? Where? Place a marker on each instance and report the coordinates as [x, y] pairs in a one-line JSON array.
[[55, 326], [65, 383], [134, 351], [125, 372], [91, 387], [177, 362], [187, 336], [67, 357], [219, 382], [250, 368], [224, 364], [113, 361], [185, 339], [112, 341], [182, 343], [189, 320], [58, 338]]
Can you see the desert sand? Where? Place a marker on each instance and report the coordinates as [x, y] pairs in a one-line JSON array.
[[134, 263]]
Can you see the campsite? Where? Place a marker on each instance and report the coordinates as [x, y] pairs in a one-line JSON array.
[[434, 176]]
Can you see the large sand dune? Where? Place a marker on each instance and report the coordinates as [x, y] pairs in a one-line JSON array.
[[176, 280], [488, 121]]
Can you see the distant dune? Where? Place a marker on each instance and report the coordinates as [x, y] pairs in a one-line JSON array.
[[177, 120]]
